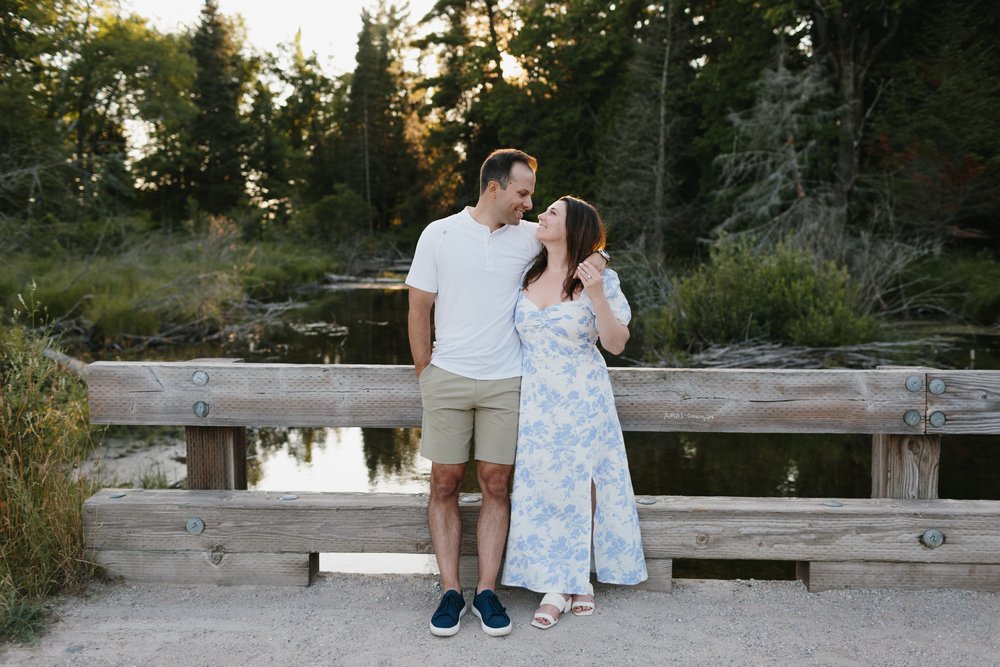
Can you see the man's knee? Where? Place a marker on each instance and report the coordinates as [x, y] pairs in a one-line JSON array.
[[446, 480], [494, 479]]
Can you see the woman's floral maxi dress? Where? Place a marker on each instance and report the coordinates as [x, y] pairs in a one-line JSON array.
[[568, 435]]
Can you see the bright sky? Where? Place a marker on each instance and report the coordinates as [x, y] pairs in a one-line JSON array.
[[329, 27]]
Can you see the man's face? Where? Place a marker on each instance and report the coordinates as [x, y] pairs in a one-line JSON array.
[[511, 204]]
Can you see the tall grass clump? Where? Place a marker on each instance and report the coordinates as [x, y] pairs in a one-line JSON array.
[[784, 295], [44, 436]]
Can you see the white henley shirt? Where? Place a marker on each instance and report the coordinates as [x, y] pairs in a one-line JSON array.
[[476, 275]]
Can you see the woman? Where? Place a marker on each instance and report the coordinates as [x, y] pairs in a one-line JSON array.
[[572, 490]]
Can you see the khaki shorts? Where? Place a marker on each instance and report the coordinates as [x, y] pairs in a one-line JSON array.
[[459, 410]]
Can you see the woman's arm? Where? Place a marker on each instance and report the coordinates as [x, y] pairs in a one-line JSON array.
[[612, 333]]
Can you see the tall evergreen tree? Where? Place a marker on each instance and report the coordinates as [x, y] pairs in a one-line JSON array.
[[36, 176], [381, 163], [934, 135], [472, 110], [647, 136], [573, 55], [218, 132], [770, 178]]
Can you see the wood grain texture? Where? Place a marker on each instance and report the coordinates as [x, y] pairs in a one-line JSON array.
[[905, 466], [661, 575], [648, 399], [806, 529], [674, 527], [216, 457], [970, 402], [909, 576], [209, 567]]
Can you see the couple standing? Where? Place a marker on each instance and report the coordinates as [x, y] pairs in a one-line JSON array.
[[518, 307]]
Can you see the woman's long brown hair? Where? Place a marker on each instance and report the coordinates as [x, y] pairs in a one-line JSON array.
[[584, 236]]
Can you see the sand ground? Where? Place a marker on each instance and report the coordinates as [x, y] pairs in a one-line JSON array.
[[353, 619]]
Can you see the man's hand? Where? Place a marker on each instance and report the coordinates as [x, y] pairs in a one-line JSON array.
[[419, 327], [597, 261]]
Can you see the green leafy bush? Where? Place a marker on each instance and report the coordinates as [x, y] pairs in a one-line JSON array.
[[783, 296], [970, 285]]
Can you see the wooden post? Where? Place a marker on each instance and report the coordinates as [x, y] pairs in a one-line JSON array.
[[216, 457], [905, 466]]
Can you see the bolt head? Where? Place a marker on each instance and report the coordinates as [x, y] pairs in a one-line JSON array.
[[195, 526], [932, 538]]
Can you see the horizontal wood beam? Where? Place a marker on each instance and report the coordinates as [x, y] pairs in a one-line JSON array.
[[212, 393], [907, 576], [209, 567], [797, 529], [967, 402]]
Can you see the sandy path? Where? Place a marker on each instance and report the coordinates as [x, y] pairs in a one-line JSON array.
[[382, 620]]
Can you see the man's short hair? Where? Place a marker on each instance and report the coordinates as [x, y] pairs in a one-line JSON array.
[[498, 165]]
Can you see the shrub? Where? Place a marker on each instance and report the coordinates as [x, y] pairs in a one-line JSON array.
[[783, 296], [970, 285], [44, 436]]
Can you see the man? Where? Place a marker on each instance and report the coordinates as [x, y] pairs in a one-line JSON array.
[[468, 268]]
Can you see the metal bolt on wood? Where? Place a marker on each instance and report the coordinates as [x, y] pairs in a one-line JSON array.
[[937, 387], [913, 383], [645, 501], [200, 378], [932, 538], [195, 526], [938, 419], [200, 408], [911, 417]]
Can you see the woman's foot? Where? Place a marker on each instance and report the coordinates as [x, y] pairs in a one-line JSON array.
[[583, 604], [547, 614]]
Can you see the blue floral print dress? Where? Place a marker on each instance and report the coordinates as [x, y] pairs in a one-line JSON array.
[[568, 435]]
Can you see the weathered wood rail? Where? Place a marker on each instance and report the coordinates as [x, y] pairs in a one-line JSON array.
[[903, 536]]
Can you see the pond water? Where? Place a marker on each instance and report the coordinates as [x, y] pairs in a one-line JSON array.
[[362, 326]]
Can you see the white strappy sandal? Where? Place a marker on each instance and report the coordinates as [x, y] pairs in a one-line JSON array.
[[586, 607], [556, 600]]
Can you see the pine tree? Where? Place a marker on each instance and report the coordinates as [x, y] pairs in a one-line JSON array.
[[218, 131], [381, 160], [769, 180]]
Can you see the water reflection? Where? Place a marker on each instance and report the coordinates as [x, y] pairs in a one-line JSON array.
[[336, 459]]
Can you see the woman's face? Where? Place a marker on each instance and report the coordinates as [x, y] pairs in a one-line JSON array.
[[552, 223]]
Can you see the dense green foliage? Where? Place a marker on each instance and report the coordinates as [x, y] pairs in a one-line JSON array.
[[783, 296], [44, 436]]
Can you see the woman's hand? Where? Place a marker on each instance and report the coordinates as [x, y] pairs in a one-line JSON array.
[[593, 281], [612, 333]]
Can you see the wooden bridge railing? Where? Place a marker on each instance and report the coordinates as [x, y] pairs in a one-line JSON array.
[[902, 536]]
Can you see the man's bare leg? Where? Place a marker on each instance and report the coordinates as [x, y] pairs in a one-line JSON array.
[[494, 520], [445, 522]]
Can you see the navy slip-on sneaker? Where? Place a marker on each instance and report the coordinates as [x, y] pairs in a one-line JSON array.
[[492, 615], [448, 618]]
